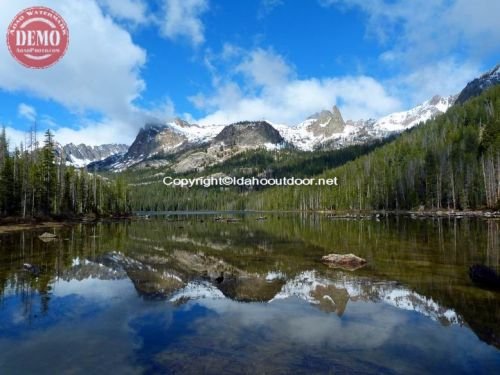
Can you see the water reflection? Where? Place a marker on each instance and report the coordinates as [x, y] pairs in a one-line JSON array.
[[249, 296]]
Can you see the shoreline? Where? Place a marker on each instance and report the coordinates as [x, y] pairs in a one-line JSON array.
[[13, 224], [338, 214], [9, 228]]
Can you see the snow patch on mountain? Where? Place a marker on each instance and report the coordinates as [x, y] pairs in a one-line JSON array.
[[82, 155], [195, 133], [400, 121]]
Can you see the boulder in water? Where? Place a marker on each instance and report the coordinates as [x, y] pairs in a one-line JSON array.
[[349, 262], [47, 237]]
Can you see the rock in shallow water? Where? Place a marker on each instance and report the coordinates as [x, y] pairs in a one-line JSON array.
[[349, 262]]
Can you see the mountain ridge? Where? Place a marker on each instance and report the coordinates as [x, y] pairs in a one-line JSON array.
[[82, 155], [324, 130]]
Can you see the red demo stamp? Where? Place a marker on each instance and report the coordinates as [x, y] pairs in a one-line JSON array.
[[38, 37]]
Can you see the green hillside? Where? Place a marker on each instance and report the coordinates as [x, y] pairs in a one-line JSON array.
[[147, 192]]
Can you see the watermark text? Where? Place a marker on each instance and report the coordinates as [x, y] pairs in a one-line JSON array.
[[228, 181]]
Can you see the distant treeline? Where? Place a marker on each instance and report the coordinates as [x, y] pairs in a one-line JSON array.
[[34, 184], [149, 194]]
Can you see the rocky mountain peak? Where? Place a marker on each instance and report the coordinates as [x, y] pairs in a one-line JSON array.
[[336, 113], [181, 123], [326, 123], [154, 139], [435, 99], [152, 127], [249, 133], [478, 85]]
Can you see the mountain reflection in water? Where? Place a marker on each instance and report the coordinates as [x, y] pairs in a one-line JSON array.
[[145, 297]]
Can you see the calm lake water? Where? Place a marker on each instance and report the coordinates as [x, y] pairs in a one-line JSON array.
[[188, 294]]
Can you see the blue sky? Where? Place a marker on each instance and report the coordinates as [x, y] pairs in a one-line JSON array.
[[220, 61]]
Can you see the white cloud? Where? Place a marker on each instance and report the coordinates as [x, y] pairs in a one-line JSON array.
[[26, 111], [436, 46], [92, 134], [446, 77], [421, 30], [15, 137], [162, 111], [135, 11], [477, 21], [183, 20], [272, 91], [97, 133], [99, 73], [264, 68], [114, 130], [105, 131]]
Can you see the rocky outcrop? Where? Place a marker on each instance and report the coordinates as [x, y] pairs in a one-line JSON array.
[[194, 161], [155, 139], [326, 123], [249, 134]]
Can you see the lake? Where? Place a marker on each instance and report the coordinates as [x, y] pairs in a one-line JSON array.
[[193, 294]]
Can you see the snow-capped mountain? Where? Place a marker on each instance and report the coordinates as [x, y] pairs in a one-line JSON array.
[[399, 121], [324, 130], [477, 86], [81, 155], [315, 130], [327, 130], [186, 147]]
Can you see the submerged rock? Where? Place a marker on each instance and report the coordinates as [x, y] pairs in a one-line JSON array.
[[349, 262]]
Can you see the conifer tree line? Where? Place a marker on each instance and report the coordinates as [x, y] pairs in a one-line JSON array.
[[34, 183]]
